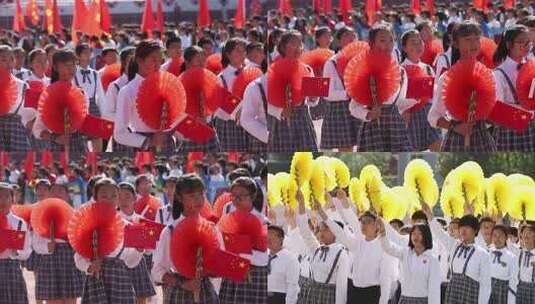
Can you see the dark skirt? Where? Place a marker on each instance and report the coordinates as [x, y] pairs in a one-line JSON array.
[[510, 140], [276, 298], [297, 134], [339, 129], [113, 287], [525, 293], [93, 107], [480, 140], [253, 290], [12, 285], [77, 145], [168, 147], [180, 296], [412, 300], [304, 289], [462, 290], [319, 111], [320, 293], [499, 291], [256, 145], [421, 134], [211, 146], [140, 275], [13, 135], [369, 295], [389, 134], [32, 262], [231, 136], [57, 277]]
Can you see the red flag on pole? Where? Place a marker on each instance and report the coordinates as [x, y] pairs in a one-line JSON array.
[[378, 5], [4, 159], [509, 4], [64, 162], [345, 8], [58, 26], [203, 19], [316, 6], [370, 11], [239, 18], [48, 24], [79, 14], [32, 12], [415, 6], [18, 20], [105, 18], [91, 25], [160, 21], [46, 159], [327, 6], [147, 23], [430, 6]]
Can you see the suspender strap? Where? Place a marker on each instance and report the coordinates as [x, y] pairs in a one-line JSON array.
[[117, 87], [19, 226], [264, 99], [453, 258], [76, 81], [339, 76], [224, 82], [120, 252], [95, 89], [468, 260], [401, 85], [520, 264], [161, 215], [509, 83], [24, 87], [429, 70], [448, 64], [335, 263]]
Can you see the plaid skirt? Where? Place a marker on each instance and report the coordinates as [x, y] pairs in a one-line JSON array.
[[12, 285], [113, 287], [251, 291], [32, 263], [387, 135], [480, 140], [13, 135], [231, 136], [421, 134], [509, 140], [57, 277], [339, 128], [319, 111], [38, 144], [93, 107], [255, 145], [148, 261], [499, 291], [118, 148], [180, 296], [412, 300], [525, 293], [211, 146], [298, 134], [77, 145], [462, 290], [320, 293], [304, 289], [140, 275]]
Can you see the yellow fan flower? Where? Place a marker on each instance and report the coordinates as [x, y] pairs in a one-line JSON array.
[[274, 191], [469, 180], [518, 179], [370, 176], [307, 196], [301, 167], [330, 176], [419, 178], [393, 205], [357, 194], [499, 193], [288, 189], [523, 203], [317, 182], [341, 172], [452, 202]]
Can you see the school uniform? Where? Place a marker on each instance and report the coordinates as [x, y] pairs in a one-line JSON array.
[[442, 63], [88, 80], [480, 140], [525, 291], [469, 267], [163, 265], [420, 274], [13, 287], [109, 109], [503, 270], [339, 128], [329, 267], [253, 114], [231, 136], [164, 215], [421, 134], [294, 243], [389, 134], [13, 134], [22, 73], [129, 128], [29, 114], [507, 139], [283, 277]]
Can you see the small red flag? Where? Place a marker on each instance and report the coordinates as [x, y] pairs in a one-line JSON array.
[[237, 243], [509, 4], [327, 6], [91, 160], [141, 236], [415, 6], [420, 88], [48, 23], [315, 86], [18, 20], [160, 21], [58, 26], [192, 158], [226, 265], [105, 18], [32, 12], [430, 6], [370, 11], [46, 159], [379, 5], [203, 18], [239, 18], [510, 116], [64, 162], [195, 131], [233, 157], [12, 239], [28, 164]]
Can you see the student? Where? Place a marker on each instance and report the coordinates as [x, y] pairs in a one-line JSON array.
[[129, 129], [420, 270], [509, 56], [140, 274], [339, 129], [466, 46], [165, 213], [207, 45], [13, 287], [189, 199], [231, 136], [283, 270], [115, 283], [88, 80], [255, 56], [173, 48], [13, 135], [291, 128], [443, 62], [469, 264], [19, 70], [63, 69], [382, 128], [414, 112], [484, 237], [109, 56], [525, 291], [253, 114], [503, 269], [529, 22]]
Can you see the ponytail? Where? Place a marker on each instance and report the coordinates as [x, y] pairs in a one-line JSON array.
[[143, 50], [508, 37]]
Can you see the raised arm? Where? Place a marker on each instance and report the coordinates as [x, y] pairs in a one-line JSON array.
[[389, 247], [302, 224]]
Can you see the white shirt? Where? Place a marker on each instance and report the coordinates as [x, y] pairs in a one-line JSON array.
[[442, 62], [481, 242], [420, 275], [284, 275], [295, 244], [252, 64], [337, 89], [109, 108], [22, 73], [40, 244], [478, 266], [504, 268], [253, 117], [92, 87], [13, 223], [165, 213], [405, 103], [525, 273], [229, 74], [503, 90]]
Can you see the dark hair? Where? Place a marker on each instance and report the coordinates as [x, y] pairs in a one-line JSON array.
[[204, 41], [189, 54], [508, 38], [512, 231], [127, 186], [185, 184], [254, 46], [464, 29], [81, 47], [376, 29], [171, 40], [369, 214], [230, 45], [50, 47], [63, 186], [91, 185], [470, 221], [486, 219], [285, 39], [404, 38], [322, 30], [124, 55], [141, 178], [426, 235], [104, 181], [396, 222], [419, 215], [420, 26], [446, 42], [502, 228], [245, 182], [274, 34], [278, 230], [34, 53], [107, 50], [143, 50], [527, 21], [240, 172], [61, 56]]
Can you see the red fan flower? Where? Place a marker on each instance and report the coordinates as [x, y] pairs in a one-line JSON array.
[[175, 66], [59, 98], [286, 74], [246, 76], [51, 211], [213, 63], [153, 204], [523, 85], [465, 79], [316, 59], [488, 47], [102, 218], [201, 85], [8, 92], [188, 236], [111, 73], [431, 50], [372, 65], [220, 203], [347, 53], [244, 224], [3, 223], [23, 211], [206, 211], [161, 100]]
